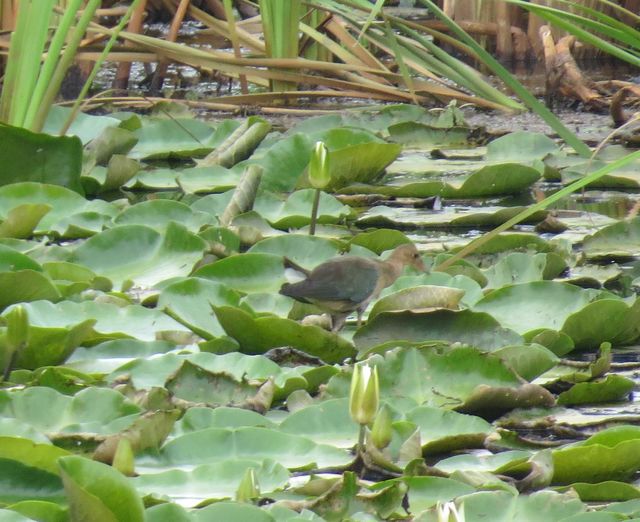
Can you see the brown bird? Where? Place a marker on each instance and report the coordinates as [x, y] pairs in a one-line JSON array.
[[346, 284]]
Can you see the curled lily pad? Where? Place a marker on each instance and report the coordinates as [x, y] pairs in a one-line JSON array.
[[259, 334], [419, 297]]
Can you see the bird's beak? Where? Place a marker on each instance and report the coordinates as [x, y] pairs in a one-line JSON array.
[[418, 263]]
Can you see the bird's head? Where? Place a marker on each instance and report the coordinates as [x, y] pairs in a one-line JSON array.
[[407, 255]]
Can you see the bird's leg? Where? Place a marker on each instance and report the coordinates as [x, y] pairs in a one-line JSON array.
[[337, 322], [360, 312]]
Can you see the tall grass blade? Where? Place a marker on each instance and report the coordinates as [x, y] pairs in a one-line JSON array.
[[511, 82], [557, 196]]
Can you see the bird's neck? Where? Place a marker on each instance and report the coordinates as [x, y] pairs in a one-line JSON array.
[[391, 270]]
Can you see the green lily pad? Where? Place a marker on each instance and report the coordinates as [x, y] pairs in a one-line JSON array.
[[611, 388], [215, 445], [521, 146], [618, 241], [295, 210], [257, 335], [207, 179], [446, 380], [63, 203], [419, 297], [476, 329], [85, 126], [31, 156], [247, 272], [444, 431], [219, 480], [94, 410], [191, 300], [327, 422], [587, 316], [450, 217], [306, 251], [97, 490], [25, 286], [611, 454], [178, 138], [424, 136], [140, 254], [158, 213], [491, 180], [111, 321]]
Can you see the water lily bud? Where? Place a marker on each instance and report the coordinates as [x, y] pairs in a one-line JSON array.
[[448, 512], [123, 458], [381, 431], [17, 327], [319, 174], [248, 489], [365, 394]]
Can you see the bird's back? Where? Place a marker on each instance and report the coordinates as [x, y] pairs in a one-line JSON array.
[[346, 281]]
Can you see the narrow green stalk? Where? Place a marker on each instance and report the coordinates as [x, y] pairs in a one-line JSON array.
[[96, 67], [51, 61], [569, 189], [25, 54], [314, 212], [571, 139], [63, 65], [280, 25], [361, 438]]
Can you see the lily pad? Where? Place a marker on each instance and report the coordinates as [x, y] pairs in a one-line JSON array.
[[158, 213], [219, 480], [257, 335], [190, 301], [247, 272], [295, 210], [139, 254], [618, 241], [450, 217], [63, 203], [476, 329], [587, 316], [31, 156]]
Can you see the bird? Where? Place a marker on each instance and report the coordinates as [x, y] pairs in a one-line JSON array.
[[346, 284]]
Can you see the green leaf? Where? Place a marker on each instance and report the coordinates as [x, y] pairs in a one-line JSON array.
[[257, 335], [98, 492], [139, 254], [29, 156]]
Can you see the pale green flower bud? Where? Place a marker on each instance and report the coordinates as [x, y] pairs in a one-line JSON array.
[[365, 394], [319, 173], [248, 489]]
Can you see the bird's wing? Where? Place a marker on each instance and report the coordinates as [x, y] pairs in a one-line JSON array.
[[348, 279]]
